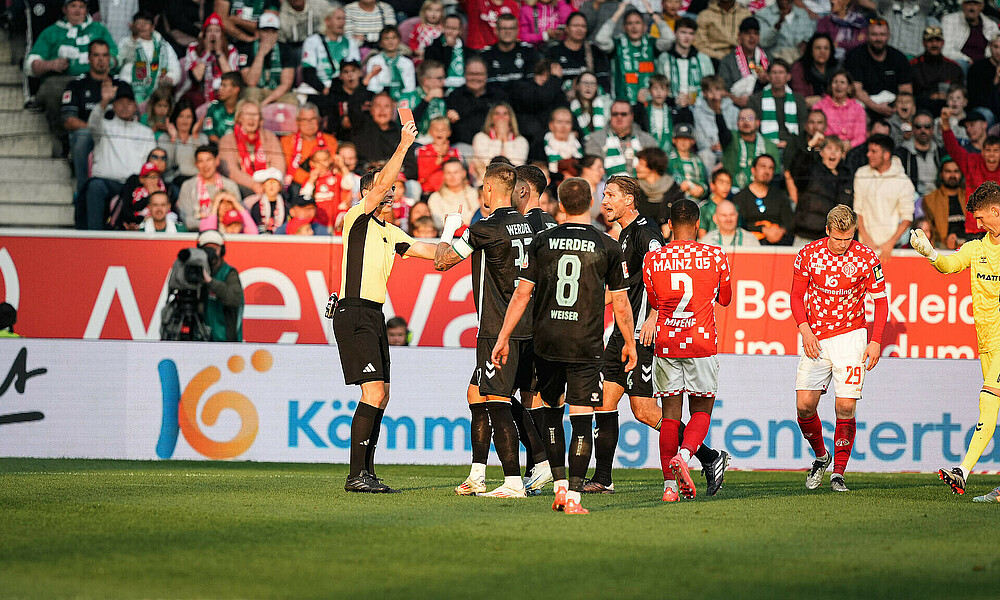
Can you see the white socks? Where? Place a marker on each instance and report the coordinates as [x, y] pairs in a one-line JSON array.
[[560, 483], [572, 496], [685, 454], [670, 484], [478, 472], [514, 482]]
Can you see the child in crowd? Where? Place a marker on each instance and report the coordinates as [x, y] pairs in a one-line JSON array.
[[429, 28], [957, 102], [158, 111], [327, 175], [721, 186], [268, 208], [658, 116]]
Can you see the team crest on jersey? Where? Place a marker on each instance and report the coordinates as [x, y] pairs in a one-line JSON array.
[[850, 269], [67, 96]]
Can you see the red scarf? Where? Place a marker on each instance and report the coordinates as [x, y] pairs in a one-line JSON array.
[[204, 198], [258, 161], [138, 195], [297, 158], [745, 67]]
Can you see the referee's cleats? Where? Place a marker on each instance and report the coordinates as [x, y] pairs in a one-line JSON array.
[[365, 483], [592, 487], [993, 497], [955, 478], [683, 476], [540, 475], [815, 477], [715, 472], [471, 487]]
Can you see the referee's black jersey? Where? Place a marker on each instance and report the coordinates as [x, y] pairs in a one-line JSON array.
[[498, 245], [540, 220], [570, 266], [370, 248], [641, 236]]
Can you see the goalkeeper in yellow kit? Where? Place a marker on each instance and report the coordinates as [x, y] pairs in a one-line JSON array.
[[982, 258]]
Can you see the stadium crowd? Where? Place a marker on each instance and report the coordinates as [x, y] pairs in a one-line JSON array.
[[258, 116]]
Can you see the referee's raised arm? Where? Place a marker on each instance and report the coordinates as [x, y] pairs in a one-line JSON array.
[[387, 177]]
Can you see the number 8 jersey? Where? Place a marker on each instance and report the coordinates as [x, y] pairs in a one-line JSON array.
[[498, 244], [570, 266], [683, 280]]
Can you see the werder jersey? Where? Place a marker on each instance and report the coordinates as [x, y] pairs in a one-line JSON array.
[[571, 265], [498, 245], [640, 237], [507, 67], [540, 220]]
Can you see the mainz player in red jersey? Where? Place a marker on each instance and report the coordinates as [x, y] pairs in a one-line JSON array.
[[684, 280], [831, 277]]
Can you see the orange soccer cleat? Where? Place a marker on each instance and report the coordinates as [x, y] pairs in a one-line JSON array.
[[683, 475], [560, 501], [671, 495], [573, 508]]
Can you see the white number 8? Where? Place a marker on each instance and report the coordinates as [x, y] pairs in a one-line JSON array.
[[568, 285]]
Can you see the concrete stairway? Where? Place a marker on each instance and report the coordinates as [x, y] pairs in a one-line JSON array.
[[36, 190]]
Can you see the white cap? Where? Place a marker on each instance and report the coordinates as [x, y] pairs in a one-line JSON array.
[[269, 173], [211, 236], [269, 20]]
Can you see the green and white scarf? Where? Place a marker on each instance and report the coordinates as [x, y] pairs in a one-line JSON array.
[[435, 108], [270, 74], [456, 67], [589, 122], [661, 126], [146, 70], [619, 159], [336, 52], [693, 72], [395, 86], [556, 150], [769, 114], [742, 178], [688, 169], [634, 65]]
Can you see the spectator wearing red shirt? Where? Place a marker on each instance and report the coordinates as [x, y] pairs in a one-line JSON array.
[[431, 157], [326, 187], [298, 147], [976, 168], [483, 19]]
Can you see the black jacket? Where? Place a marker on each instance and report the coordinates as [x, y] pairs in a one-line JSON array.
[[472, 111], [819, 191]]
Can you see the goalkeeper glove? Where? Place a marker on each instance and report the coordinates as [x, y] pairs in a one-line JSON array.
[[920, 243], [452, 221]]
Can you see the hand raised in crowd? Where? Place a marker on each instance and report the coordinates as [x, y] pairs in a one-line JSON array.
[[172, 131], [643, 95], [945, 119], [556, 70], [817, 138], [268, 39], [371, 75], [452, 115], [556, 33], [108, 91]]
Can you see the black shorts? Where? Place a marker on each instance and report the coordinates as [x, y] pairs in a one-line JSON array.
[[517, 374], [638, 383], [359, 327], [580, 381]]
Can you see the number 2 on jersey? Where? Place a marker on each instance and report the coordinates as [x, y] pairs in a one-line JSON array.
[[568, 284], [682, 281]]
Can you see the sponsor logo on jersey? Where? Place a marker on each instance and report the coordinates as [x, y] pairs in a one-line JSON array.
[[180, 410], [877, 271]]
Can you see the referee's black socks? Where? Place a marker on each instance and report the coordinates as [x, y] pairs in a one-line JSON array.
[[373, 442], [504, 437], [361, 433]]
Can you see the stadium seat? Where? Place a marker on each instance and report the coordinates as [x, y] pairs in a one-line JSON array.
[[279, 118], [406, 28]]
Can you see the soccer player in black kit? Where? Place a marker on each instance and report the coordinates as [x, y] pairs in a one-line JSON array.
[[497, 244], [569, 267], [638, 236]]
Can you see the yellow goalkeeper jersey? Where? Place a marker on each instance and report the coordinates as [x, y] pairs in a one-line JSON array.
[[982, 258]]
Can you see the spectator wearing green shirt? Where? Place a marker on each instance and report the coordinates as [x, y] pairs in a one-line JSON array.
[[427, 99], [268, 66], [722, 184], [60, 55], [221, 113], [685, 166]]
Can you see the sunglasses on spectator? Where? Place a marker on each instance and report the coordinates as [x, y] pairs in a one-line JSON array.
[[158, 156], [620, 114], [923, 126]]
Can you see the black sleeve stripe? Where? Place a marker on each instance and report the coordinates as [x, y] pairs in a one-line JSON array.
[[402, 247]]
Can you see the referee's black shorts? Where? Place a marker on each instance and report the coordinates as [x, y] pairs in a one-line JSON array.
[[359, 327]]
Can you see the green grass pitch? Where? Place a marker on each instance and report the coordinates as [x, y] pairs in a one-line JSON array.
[[122, 529]]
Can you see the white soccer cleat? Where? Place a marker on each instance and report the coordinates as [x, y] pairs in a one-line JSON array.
[[504, 491], [815, 477], [540, 476], [471, 487]]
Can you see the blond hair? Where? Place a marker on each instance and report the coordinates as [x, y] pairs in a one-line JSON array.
[[488, 124], [242, 104], [841, 218]]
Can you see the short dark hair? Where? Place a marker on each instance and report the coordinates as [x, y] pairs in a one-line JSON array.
[[588, 161], [158, 193], [923, 113], [991, 140], [577, 14], [500, 159], [880, 139], [533, 176], [656, 159], [987, 194], [396, 322], [368, 180], [388, 29], [719, 173], [182, 105], [574, 195], [506, 17], [453, 16], [98, 42], [234, 78], [142, 15], [450, 161], [501, 175], [213, 150], [632, 11], [687, 22], [631, 110], [425, 66], [684, 212], [761, 157], [879, 122], [779, 62], [629, 186]]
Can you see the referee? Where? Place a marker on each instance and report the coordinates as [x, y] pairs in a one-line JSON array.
[[370, 248]]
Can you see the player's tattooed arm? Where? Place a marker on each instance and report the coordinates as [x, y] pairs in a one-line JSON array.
[[445, 257]]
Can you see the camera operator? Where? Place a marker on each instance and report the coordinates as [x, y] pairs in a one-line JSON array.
[[223, 304]]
